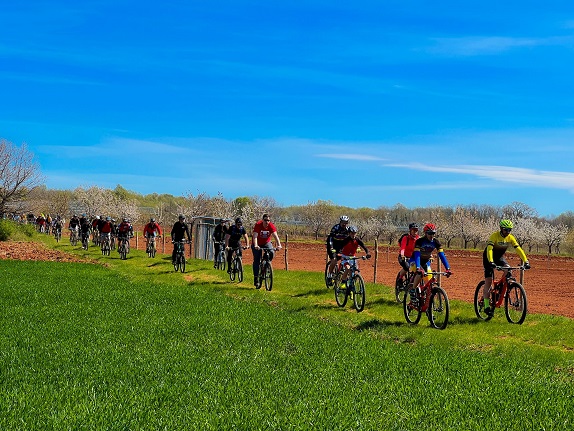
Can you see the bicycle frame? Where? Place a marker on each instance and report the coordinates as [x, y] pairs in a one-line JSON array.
[[500, 287]]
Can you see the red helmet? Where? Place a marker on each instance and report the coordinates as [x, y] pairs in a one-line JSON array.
[[429, 228]]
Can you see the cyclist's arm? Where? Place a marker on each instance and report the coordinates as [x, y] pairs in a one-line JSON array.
[[443, 259], [246, 239], [227, 236], [363, 246], [278, 241], [254, 238]]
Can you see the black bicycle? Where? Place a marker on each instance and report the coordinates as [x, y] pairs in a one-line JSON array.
[[219, 259], [236, 268], [179, 261], [151, 248], [354, 286], [265, 269], [85, 240], [123, 247]]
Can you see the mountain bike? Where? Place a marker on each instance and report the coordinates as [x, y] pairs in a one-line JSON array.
[[402, 285], [57, 234], [429, 298], [179, 262], [105, 244], [219, 260], [266, 269], [354, 286], [236, 267], [123, 247], [85, 240], [73, 236], [151, 248], [506, 290]]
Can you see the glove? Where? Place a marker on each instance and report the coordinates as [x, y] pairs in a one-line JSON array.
[[227, 248], [448, 273], [526, 265], [402, 258], [333, 251], [368, 256], [493, 265], [420, 271]]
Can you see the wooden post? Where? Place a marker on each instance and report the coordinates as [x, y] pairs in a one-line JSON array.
[[376, 259], [286, 259], [137, 242]]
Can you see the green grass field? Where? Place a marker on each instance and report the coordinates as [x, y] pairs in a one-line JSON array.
[[132, 345]]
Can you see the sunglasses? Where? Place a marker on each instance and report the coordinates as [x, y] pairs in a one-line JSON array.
[[266, 219], [505, 229]]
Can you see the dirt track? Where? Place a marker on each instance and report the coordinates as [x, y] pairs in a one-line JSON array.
[[546, 285]]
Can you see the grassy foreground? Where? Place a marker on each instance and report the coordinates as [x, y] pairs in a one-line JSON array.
[[135, 346]]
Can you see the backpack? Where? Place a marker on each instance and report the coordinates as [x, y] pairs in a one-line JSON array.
[[401, 238]]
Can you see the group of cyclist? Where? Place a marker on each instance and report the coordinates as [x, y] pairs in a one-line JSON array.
[[415, 252], [231, 237]]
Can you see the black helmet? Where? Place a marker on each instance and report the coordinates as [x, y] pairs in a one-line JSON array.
[[181, 217], [413, 226], [152, 220], [238, 220]]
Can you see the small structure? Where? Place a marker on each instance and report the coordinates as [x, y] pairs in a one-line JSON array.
[[202, 234]]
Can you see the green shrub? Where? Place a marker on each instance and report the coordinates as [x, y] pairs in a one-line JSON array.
[[27, 229], [6, 229]]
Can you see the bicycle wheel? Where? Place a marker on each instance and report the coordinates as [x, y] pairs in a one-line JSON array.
[[123, 252], [239, 266], [479, 303], [268, 275], [182, 263], [515, 303], [360, 296], [439, 308], [232, 270], [221, 261], [341, 293], [328, 281], [176, 263], [400, 287], [411, 309]]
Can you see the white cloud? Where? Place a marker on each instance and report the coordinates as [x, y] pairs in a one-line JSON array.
[[476, 45], [360, 157]]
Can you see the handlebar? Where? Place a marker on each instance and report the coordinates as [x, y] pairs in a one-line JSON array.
[[506, 268], [354, 257]]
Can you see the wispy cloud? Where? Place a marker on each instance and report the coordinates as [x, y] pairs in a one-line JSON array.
[[551, 179], [359, 157], [477, 45]]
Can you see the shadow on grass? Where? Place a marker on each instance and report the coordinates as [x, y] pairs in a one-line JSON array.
[[378, 325], [315, 292]]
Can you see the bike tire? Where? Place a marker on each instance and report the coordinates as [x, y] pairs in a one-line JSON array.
[[515, 303], [359, 296], [176, 264], [268, 276], [341, 293], [479, 303], [232, 270], [327, 280], [182, 264], [439, 308], [412, 313], [153, 251], [400, 287], [239, 266], [221, 261]]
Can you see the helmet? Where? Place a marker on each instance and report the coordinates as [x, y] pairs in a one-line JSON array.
[[413, 226], [97, 217], [353, 229], [344, 218], [151, 220], [125, 219], [108, 218], [429, 228], [506, 224], [181, 217], [238, 220]]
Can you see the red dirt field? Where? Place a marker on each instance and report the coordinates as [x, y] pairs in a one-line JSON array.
[[546, 283]]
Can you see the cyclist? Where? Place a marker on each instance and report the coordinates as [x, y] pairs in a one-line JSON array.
[[263, 231], [406, 248], [218, 238], [152, 229], [424, 246], [57, 225], [106, 228], [350, 246], [178, 233], [334, 243], [74, 223], [125, 231], [493, 256], [233, 237], [85, 228]]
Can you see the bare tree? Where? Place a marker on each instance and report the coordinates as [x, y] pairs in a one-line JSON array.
[[552, 235], [518, 210], [319, 216], [19, 173]]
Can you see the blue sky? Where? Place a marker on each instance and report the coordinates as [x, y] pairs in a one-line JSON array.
[[364, 103]]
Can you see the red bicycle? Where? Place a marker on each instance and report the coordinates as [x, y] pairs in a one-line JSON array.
[[429, 298], [506, 290]]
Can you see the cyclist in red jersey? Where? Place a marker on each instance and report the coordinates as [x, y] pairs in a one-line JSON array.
[[407, 248], [263, 231], [349, 248]]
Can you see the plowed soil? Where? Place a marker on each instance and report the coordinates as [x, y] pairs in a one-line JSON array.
[[546, 283]]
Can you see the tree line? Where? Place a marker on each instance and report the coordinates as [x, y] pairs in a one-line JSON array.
[[468, 226]]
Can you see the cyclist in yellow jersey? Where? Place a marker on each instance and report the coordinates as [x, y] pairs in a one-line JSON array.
[[493, 256]]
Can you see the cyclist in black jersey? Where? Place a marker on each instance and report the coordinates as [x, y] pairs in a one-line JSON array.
[[335, 241]]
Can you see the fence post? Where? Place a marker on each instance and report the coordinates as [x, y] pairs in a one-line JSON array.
[[137, 242], [286, 248], [376, 260]]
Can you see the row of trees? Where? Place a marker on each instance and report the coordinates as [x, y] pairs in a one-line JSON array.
[[461, 226]]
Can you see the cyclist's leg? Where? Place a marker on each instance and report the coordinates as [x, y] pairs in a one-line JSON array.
[[256, 262]]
